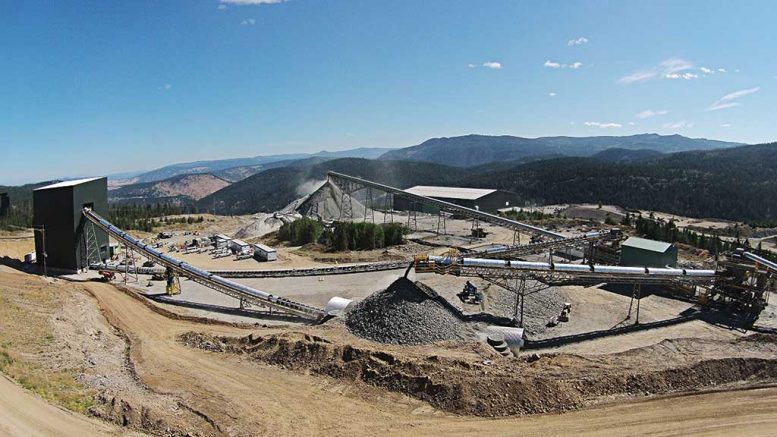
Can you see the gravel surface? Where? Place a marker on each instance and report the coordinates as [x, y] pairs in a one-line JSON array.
[[538, 309], [404, 314]]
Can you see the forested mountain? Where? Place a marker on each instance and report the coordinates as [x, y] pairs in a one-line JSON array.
[[473, 150], [627, 155], [738, 183]]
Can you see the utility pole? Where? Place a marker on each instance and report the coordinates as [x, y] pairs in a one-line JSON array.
[[42, 230]]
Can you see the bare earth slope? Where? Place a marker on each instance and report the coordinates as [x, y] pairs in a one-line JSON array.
[[24, 414]]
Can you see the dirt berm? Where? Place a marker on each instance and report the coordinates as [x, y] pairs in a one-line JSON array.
[[503, 387]]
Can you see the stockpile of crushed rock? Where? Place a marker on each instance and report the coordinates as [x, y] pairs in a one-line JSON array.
[[405, 314], [538, 308]]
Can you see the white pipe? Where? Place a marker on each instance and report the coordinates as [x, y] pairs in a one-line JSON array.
[[576, 268]]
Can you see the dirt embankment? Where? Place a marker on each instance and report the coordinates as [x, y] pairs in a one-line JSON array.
[[504, 387]]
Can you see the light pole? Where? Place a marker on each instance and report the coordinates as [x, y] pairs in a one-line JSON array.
[[42, 230]]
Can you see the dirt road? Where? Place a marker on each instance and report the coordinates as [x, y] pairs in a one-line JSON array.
[[24, 414], [240, 397]]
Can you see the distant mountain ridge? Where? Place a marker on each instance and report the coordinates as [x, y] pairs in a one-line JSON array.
[[233, 168], [474, 150]]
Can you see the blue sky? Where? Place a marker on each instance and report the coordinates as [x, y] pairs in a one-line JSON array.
[[98, 87]]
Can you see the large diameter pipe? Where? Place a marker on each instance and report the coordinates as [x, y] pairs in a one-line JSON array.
[[571, 268], [761, 260]]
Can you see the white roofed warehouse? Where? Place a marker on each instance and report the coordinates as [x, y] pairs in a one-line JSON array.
[[476, 198]]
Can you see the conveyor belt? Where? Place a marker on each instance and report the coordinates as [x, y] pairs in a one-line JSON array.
[[504, 252], [551, 272], [277, 273], [208, 279], [468, 212]]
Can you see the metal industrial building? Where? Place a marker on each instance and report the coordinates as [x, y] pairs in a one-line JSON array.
[[640, 252], [5, 204], [57, 213], [475, 198]]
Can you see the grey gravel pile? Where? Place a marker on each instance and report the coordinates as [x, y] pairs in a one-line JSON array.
[[538, 309], [403, 314]]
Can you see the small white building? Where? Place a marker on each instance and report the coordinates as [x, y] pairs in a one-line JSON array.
[[239, 247], [265, 253], [221, 241]]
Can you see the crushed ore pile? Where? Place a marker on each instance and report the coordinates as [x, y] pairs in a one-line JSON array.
[[404, 314], [538, 309]]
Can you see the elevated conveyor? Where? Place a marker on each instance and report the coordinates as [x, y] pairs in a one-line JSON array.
[[233, 289], [581, 242], [549, 272], [447, 206]]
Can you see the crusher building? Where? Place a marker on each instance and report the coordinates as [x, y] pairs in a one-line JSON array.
[[58, 217]]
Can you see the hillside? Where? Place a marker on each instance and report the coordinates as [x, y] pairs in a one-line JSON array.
[[275, 188], [737, 183], [192, 187], [627, 155], [473, 150], [232, 169]]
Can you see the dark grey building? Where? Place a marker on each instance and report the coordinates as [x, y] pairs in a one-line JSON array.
[[5, 204], [475, 198], [58, 210]]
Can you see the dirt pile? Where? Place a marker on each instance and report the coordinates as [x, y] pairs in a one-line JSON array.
[[503, 387], [405, 313]]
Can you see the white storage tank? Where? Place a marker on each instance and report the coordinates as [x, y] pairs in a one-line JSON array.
[[265, 253]]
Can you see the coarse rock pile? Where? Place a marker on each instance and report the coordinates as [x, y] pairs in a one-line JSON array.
[[404, 314], [538, 308], [326, 204]]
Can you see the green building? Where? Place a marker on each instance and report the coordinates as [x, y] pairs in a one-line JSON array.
[[640, 252]]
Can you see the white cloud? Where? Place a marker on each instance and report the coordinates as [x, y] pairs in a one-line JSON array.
[[168, 87], [251, 2], [671, 68], [578, 41], [706, 70], [552, 94], [725, 125], [729, 100], [686, 76], [493, 65], [721, 70], [471, 65], [554, 64], [649, 113], [221, 7], [603, 125], [248, 22], [678, 125], [631, 123]]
